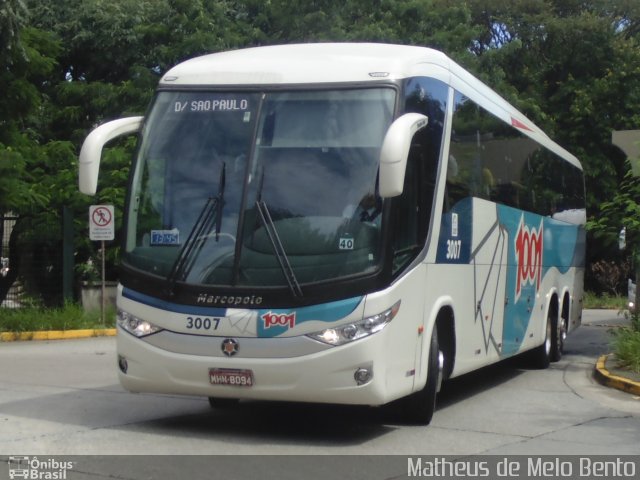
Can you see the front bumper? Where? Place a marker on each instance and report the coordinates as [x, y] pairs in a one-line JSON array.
[[325, 376]]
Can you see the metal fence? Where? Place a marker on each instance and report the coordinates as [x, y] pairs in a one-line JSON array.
[[32, 255], [12, 299]]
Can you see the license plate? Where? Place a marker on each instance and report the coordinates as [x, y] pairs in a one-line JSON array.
[[231, 376]]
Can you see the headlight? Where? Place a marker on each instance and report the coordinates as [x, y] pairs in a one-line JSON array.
[[356, 330], [135, 325]]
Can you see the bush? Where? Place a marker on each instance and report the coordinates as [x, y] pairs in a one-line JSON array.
[[626, 344], [611, 276], [70, 317], [605, 300]]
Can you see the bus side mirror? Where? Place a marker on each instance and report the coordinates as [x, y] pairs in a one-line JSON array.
[[92, 149], [395, 150]]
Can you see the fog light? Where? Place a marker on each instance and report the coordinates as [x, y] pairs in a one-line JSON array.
[[363, 375], [122, 364]]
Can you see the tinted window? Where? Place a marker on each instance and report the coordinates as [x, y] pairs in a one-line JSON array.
[[489, 159], [411, 212]]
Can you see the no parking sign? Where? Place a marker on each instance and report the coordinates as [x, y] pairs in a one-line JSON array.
[[101, 222]]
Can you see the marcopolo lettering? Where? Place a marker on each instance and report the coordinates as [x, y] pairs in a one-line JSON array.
[[279, 319], [233, 300]]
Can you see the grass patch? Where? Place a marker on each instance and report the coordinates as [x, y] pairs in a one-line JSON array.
[[70, 317], [626, 345], [604, 300]]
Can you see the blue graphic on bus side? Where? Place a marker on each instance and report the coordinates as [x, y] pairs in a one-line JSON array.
[[535, 245]]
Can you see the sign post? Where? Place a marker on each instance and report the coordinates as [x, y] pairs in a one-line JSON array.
[[102, 228]]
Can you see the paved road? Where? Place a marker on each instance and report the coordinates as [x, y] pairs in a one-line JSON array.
[[62, 398]]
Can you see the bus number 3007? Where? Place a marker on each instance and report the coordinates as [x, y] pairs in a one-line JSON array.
[[453, 249], [198, 323]]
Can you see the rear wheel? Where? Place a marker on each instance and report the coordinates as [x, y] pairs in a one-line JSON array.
[[418, 408], [557, 340], [541, 356]]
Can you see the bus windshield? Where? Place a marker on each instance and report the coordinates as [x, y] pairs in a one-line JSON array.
[[259, 189]]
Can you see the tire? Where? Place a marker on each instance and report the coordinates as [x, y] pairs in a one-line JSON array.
[[418, 407], [541, 356], [557, 340], [223, 403]]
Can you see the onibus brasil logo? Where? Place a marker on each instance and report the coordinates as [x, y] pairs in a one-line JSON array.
[[37, 469]]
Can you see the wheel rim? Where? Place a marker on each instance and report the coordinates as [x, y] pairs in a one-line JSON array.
[[440, 370], [561, 336], [547, 340]]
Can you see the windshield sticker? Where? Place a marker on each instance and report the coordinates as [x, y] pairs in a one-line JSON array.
[[214, 105], [165, 237], [346, 243]]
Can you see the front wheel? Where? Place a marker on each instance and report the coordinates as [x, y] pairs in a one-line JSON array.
[[418, 407]]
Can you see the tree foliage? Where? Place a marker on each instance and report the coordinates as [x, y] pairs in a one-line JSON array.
[[12, 19], [573, 66]]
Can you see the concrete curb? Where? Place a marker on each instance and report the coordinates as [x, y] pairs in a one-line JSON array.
[[56, 335], [606, 378]]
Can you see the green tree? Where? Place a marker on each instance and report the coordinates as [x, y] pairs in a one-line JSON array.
[[28, 57], [574, 68], [12, 18], [570, 65], [71, 65]]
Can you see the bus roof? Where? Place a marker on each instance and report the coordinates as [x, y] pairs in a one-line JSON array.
[[318, 63], [304, 63]]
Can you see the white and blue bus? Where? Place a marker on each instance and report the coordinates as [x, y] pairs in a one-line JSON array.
[[340, 223]]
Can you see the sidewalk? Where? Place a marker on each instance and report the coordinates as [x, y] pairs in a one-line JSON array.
[[608, 374], [56, 335]]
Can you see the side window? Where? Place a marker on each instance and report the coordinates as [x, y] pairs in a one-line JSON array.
[[490, 159], [487, 159], [405, 217], [428, 97], [464, 164], [411, 212], [507, 158], [558, 185]]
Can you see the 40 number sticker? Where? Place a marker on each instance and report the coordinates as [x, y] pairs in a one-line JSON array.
[[346, 243]]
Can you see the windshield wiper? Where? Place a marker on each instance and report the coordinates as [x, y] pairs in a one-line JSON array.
[[281, 255], [210, 216], [267, 222]]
